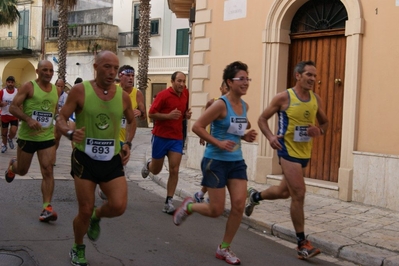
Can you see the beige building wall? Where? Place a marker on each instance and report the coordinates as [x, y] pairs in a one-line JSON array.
[[369, 149]]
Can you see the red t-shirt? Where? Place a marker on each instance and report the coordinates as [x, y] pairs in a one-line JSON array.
[[165, 102]]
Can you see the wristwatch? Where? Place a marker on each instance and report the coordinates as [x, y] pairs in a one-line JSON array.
[[70, 134], [128, 143]]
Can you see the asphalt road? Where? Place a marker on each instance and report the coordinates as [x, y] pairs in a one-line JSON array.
[[142, 236]]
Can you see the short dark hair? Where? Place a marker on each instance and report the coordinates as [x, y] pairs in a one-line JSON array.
[[173, 77], [232, 69], [300, 67], [10, 78], [78, 80]]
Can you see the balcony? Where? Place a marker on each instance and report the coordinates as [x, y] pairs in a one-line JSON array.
[[80, 36], [167, 64], [18, 43], [87, 31], [17, 46], [181, 8]]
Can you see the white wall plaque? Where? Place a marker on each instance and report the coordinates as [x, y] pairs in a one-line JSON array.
[[235, 9]]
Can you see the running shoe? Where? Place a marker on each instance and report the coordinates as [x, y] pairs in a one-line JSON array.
[[227, 255], [10, 143], [197, 198], [94, 229], [306, 250], [168, 207], [249, 207], [101, 194], [3, 148], [78, 256], [145, 171], [9, 174], [182, 213], [48, 214]]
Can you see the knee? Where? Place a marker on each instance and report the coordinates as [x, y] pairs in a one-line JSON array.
[[215, 212], [118, 208], [285, 194], [85, 212], [237, 206]]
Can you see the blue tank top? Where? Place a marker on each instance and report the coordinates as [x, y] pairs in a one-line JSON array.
[[232, 127]]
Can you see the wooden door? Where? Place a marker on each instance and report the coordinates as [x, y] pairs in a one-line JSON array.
[[327, 49]]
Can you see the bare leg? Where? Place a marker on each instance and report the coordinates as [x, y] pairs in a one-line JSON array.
[[174, 164], [46, 160]]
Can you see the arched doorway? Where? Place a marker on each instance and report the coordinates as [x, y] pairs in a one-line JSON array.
[[22, 69], [318, 34], [277, 42]]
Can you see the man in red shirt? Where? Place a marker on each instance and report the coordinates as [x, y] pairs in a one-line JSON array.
[[7, 119], [168, 110]]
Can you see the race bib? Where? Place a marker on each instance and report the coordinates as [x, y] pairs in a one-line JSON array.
[[238, 125], [44, 118], [100, 149], [123, 122], [301, 134]]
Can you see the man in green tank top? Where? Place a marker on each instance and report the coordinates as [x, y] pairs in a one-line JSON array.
[[35, 105], [98, 157]]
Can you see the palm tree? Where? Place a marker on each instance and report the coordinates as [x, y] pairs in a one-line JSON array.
[[144, 46], [63, 7], [9, 13]]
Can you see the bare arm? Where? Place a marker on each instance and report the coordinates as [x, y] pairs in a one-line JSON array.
[[130, 127], [141, 106], [277, 103], [74, 103], [24, 92], [215, 111]]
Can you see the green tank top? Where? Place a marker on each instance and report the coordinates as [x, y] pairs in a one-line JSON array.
[[102, 120], [41, 107]]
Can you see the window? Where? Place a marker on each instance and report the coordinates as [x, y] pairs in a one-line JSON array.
[[135, 26], [155, 27], [156, 88], [182, 42]]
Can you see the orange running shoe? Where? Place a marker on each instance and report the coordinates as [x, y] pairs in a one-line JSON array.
[[48, 214], [9, 174], [306, 250]]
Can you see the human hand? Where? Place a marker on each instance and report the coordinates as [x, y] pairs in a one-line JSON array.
[[188, 113], [33, 124], [78, 135], [136, 112], [202, 142], [175, 114], [250, 136], [274, 143], [313, 131], [227, 145], [125, 154]]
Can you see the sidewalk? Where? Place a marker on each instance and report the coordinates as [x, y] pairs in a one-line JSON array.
[[362, 234]]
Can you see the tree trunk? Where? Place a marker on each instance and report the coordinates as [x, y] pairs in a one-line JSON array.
[[144, 46], [62, 38]]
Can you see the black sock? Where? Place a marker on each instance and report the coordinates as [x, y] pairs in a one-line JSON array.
[[167, 199], [300, 237], [257, 197]]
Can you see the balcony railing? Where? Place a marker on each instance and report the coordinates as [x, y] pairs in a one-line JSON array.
[[85, 31], [128, 39], [18, 43], [167, 64]]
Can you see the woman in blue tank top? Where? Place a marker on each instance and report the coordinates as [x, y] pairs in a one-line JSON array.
[[223, 164]]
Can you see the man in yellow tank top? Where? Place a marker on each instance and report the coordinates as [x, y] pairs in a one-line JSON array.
[[126, 77], [297, 109], [126, 81], [35, 105]]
